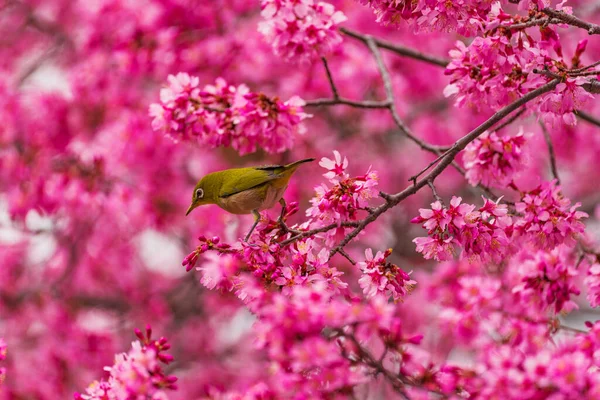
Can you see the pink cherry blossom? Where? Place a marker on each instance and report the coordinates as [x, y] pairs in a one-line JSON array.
[[300, 30], [493, 161], [225, 115], [549, 219], [382, 277], [135, 374], [548, 280], [480, 232]]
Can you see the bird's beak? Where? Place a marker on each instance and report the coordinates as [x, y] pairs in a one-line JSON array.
[[189, 210]]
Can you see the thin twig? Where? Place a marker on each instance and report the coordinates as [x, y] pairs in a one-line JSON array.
[[571, 329], [592, 86], [592, 29], [398, 49], [334, 90], [511, 119], [389, 91], [588, 118], [551, 152], [435, 193], [585, 68], [303, 234], [414, 178], [347, 102], [347, 256], [530, 23], [546, 72], [586, 73]]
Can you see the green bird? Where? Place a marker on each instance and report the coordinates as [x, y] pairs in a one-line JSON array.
[[245, 190]]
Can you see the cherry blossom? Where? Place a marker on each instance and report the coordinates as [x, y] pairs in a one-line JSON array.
[[225, 115], [301, 30]]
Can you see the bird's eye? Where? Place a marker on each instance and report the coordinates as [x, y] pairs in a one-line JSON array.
[[199, 193]]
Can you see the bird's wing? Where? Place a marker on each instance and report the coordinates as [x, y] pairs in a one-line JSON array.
[[247, 178], [269, 167]]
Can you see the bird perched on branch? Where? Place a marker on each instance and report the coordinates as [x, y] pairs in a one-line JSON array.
[[245, 190]]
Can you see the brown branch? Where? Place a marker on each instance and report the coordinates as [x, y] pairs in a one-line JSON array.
[[510, 120], [571, 329], [435, 193], [588, 118], [431, 164], [530, 23], [347, 102], [587, 73], [312, 232], [398, 49], [592, 86], [389, 91], [334, 90], [550, 151], [585, 68], [347, 256], [396, 379], [592, 29], [365, 357]]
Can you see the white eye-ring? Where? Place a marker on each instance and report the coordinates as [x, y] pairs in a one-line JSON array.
[[199, 193]]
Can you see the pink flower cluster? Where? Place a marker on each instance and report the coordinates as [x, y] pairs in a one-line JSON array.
[[300, 30], [137, 374], [497, 69], [225, 115], [277, 266], [345, 198], [291, 329], [480, 233], [568, 370], [548, 218], [307, 334], [548, 280], [492, 71], [465, 16], [492, 160], [560, 105], [381, 277]]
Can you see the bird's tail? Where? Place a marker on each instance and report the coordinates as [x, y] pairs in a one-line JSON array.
[[295, 164]]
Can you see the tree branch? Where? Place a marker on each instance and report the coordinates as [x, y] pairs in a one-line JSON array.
[[436, 196], [389, 91], [588, 118], [592, 29], [334, 90], [551, 152], [347, 102], [398, 49]]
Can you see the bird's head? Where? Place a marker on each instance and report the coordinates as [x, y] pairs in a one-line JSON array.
[[204, 192]]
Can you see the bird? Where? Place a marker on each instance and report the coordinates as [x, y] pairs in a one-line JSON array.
[[245, 190]]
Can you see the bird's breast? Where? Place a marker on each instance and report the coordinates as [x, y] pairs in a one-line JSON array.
[[260, 198], [272, 196]]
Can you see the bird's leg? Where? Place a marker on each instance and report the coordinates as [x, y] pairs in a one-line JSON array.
[[256, 219], [280, 219], [283, 207]]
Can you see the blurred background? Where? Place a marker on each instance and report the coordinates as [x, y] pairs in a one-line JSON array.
[[92, 200]]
